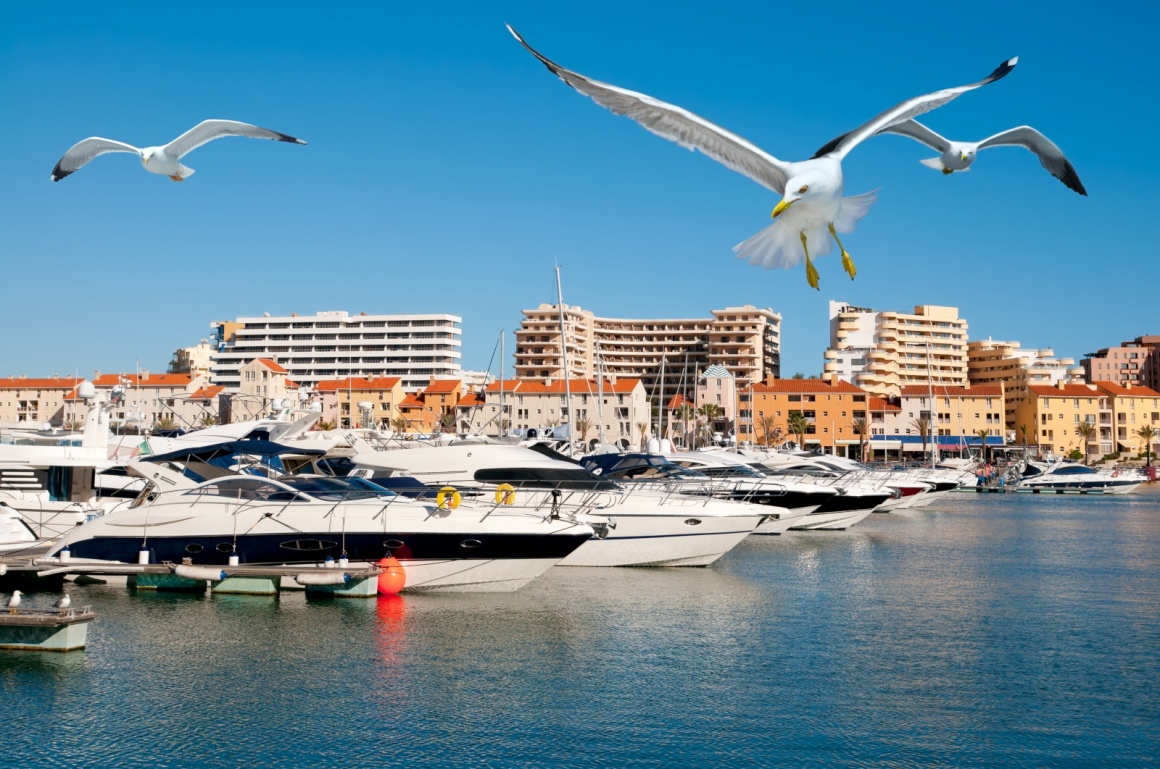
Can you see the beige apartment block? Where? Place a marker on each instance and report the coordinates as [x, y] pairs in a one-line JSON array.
[[882, 352], [32, 402], [262, 381], [194, 361], [745, 340], [534, 405], [143, 400], [1136, 362], [990, 362]]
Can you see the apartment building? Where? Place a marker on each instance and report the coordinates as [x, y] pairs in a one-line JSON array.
[[830, 406], [991, 362], [1050, 416], [882, 352], [341, 401], [336, 344], [143, 400], [1136, 362], [194, 361], [530, 404], [1131, 408], [32, 402], [746, 341]]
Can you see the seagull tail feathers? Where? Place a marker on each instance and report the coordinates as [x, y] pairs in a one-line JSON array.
[[852, 209], [935, 163], [185, 172], [780, 246]]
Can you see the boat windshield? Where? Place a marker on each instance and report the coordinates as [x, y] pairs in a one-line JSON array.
[[572, 478], [337, 489], [1073, 470], [730, 471]]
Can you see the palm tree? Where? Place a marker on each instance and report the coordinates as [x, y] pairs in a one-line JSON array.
[[710, 413], [1023, 429], [583, 425], [799, 426], [324, 425], [642, 427], [1085, 430], [770, 432], [861, 427], [400, 424], [1148, 434], [74, 424], [982, 434], [922, 424], [207, 420], [447, 422], [165, 422]]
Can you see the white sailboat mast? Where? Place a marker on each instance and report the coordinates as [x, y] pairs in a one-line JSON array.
[[564, 354]]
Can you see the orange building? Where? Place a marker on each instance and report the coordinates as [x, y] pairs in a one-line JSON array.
[[829, 405]]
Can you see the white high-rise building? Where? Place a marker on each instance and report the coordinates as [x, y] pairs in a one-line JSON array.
[[336, 344]]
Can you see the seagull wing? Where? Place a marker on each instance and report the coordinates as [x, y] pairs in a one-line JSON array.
[[677, 125], [1050, 156], [208, 130], [83, 151], [920, 133], [908, 109]]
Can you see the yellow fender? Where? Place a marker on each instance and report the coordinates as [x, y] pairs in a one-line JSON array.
[[448, 498], [505, 494]]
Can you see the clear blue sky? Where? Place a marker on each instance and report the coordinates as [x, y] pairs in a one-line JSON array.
[[448, 171]]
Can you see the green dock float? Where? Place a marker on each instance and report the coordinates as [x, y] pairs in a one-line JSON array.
[[246, 586], [366, 587], [167, 581], [46, 631]]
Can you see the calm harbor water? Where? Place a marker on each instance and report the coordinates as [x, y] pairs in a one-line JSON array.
[[1010, 630]]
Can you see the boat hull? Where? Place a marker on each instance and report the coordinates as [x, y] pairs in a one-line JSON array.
[[661, 540]]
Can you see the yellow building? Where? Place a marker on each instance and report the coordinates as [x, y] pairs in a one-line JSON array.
[[1052, 414], [382, 393], [1131, 407]]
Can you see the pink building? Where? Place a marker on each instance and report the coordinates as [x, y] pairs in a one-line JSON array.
[[1136, 362]]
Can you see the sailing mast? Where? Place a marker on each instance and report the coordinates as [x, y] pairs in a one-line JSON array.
[[933, 412], [564, 355], [502, 354], [600, 393], [660, 398]]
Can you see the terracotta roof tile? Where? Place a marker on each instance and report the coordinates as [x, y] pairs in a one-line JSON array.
[[1067, 391], [805, 386], [273, 366], [43, 383], [412, 401], [470, 401], [1135, 391], [205, 393], [144, 380], [357, 383], [440, 386]]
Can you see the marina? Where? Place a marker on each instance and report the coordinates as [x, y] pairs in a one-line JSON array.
[[999, 630]]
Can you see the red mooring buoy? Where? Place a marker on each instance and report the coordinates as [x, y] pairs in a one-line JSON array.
[[393, 578]]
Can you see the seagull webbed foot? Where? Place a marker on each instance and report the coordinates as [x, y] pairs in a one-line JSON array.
[[847, 262], [948, 171], [811, 271], [176, 178]]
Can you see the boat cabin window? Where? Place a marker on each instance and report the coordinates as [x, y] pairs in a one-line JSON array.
[[730, 471], [1074, 470], [337, 489], [575, 478], [246, 489]]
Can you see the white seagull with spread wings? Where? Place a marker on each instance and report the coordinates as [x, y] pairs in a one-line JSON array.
[[958, 156], [164, 160], [811, 190]]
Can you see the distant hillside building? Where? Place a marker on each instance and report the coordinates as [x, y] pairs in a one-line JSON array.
[[335, 345], [194, 361], [745, 340]]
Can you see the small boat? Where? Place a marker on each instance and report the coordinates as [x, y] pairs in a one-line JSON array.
[[1065, 477]]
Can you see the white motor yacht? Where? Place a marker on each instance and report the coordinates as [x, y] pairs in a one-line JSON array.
[[635, 526], [301, 519], [1065, 477]]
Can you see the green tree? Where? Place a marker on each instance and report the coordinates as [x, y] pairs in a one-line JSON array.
[[400, 424], [798, 375], [74, 424], [206, 420], [324, 425], [583, 425], [1147, 434], [922, 424], [1023, 429], [861, 427], [447, 422], [165, 422], [799, 425], [982, 434], [770, 432], [1085, 430]]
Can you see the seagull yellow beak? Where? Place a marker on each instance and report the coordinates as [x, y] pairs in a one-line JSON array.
[[963, 156], [780, 207], [145, 159]]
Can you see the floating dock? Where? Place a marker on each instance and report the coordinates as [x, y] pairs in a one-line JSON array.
[[53, 630], [358, 580]]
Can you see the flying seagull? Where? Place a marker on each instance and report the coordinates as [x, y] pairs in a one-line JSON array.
[[14, 602], [958, 156], [63, 603], [811, 190], [164, 160]]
